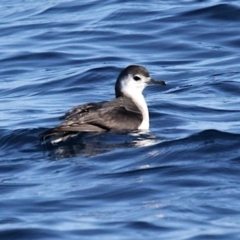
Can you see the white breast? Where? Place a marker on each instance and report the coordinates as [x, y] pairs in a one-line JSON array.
[[140, 102]]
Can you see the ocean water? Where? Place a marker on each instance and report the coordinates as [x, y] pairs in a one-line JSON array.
[[181, 180]]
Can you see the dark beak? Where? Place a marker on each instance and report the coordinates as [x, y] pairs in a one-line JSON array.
[[153, 81]]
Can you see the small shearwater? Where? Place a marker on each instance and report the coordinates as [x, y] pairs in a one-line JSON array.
[[128, 111]]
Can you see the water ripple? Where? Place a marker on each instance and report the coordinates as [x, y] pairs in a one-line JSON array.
[[178, 181]]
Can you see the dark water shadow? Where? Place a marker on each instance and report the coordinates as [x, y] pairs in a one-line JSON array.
[[89, 144]]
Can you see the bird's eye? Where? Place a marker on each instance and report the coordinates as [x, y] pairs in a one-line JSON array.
[[136, 78]]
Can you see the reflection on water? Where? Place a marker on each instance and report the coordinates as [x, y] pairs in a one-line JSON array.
[[91, 144]]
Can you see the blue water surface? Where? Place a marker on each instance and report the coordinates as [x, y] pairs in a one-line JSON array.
[[179, 181]]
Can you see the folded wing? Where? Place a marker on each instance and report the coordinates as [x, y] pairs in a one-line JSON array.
[[118, 114]]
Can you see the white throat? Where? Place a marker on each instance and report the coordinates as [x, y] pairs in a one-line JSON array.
[[142, 105], [139, 100]]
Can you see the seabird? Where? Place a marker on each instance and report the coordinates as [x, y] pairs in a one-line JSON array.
[[128, 111]]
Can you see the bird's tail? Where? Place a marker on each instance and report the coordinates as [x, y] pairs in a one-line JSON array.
[[56, 135]]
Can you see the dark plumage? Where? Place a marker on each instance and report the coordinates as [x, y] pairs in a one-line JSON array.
[[104, 116]]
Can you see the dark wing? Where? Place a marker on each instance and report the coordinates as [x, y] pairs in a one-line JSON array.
[[118, 114], [114, 118], [81, 110]]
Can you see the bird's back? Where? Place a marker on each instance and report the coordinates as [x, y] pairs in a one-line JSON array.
[[119, 114]]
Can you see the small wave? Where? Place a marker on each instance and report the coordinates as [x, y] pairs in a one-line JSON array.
[[223, 11], [20, 140]]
